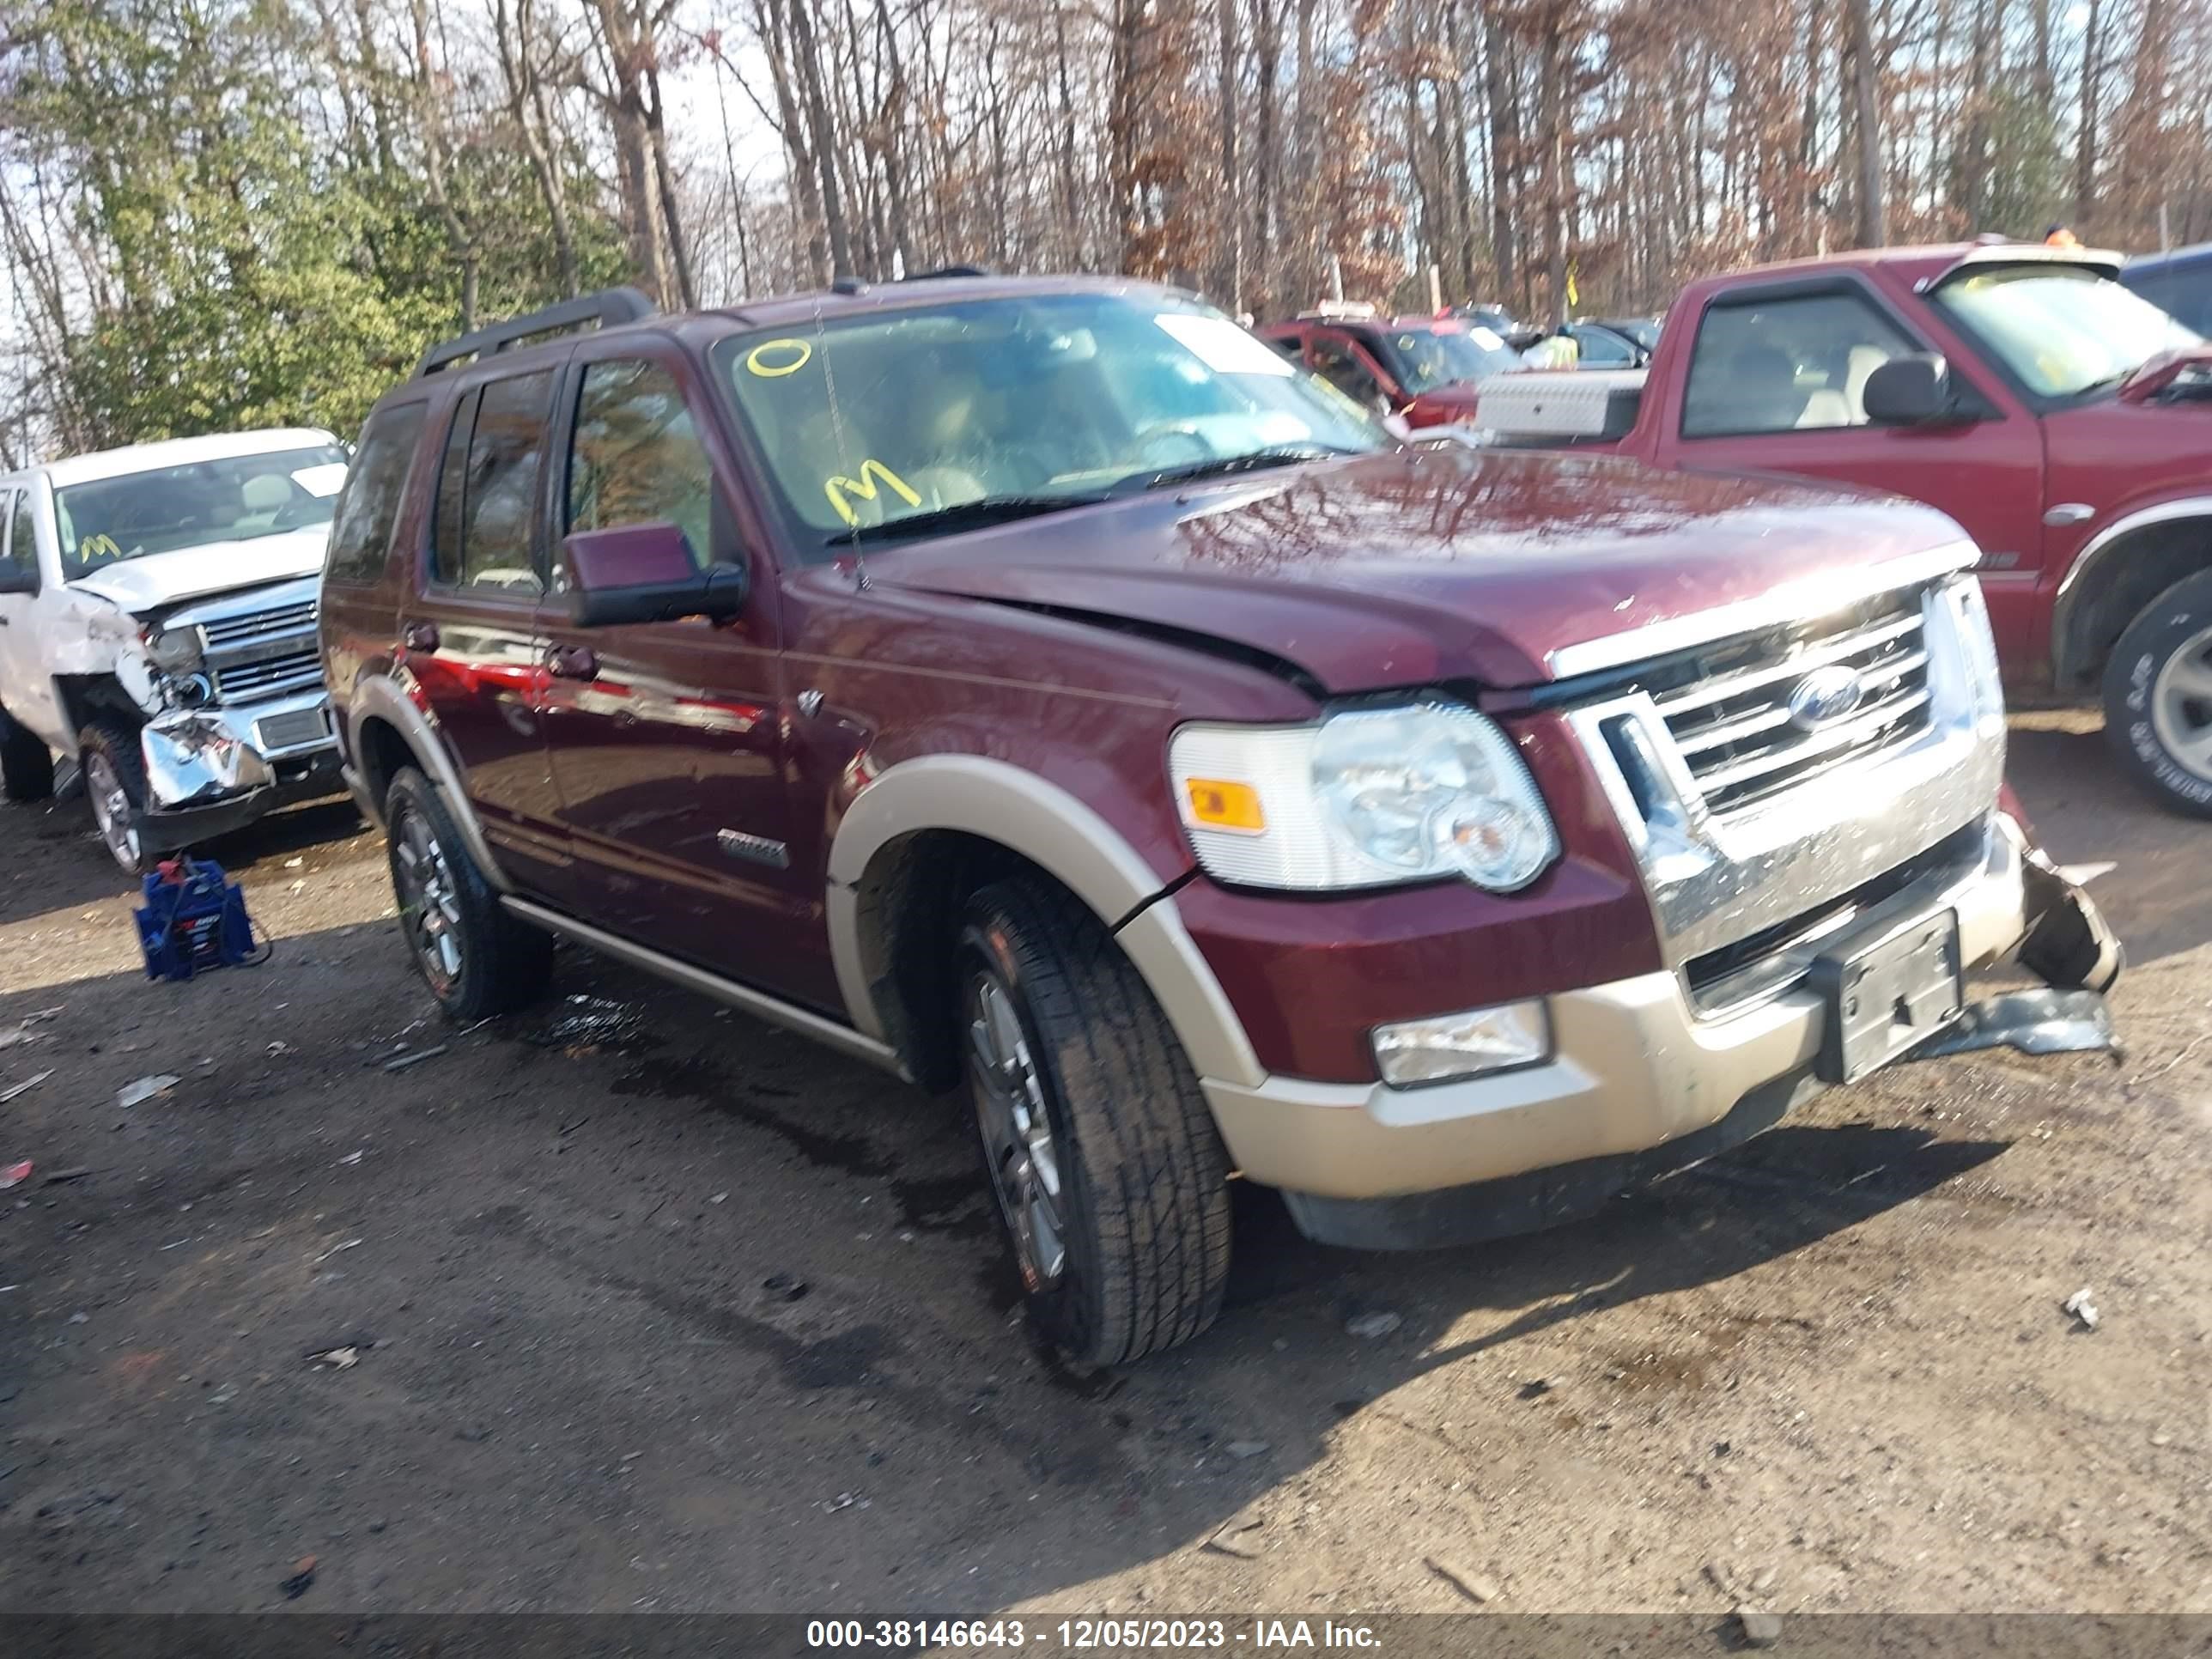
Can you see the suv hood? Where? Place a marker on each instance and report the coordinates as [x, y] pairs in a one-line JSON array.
[[1418, 567], [193, 573]]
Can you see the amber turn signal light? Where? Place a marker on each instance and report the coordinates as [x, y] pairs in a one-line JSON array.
[[1220, 805]]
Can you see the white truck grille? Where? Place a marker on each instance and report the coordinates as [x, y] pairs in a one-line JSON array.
[[1735, 724]]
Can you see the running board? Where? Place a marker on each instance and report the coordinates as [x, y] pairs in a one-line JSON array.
[[744, 998]]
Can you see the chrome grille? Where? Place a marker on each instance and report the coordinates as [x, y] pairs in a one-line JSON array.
[[269, 677], [1731, 718], [231, 632]]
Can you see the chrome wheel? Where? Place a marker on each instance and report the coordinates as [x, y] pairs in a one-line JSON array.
[[111, 810], [1017, 1131], [2181, 704], [430, 902]]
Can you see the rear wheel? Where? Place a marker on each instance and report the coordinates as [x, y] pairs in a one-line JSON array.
[[27, 765], [476, 958], [2158, 697], [1110, 1179], [115, 787]]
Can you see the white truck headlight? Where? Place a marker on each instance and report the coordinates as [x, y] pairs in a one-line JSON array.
[[174, 650], [1364, 798]]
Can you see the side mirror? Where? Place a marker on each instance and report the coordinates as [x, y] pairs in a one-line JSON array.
[[19, 579], [1910, 390], [644, 573]]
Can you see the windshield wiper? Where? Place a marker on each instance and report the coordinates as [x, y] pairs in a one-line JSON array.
[[1223, 465], [962, 515]]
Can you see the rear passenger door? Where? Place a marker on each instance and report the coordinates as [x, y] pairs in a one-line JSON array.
[[469, 627], [666, 739]]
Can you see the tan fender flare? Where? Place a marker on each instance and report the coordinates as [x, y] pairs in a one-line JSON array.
[[1052, 828]]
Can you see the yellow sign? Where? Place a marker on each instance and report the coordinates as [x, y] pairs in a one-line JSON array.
[[1574, 291], [756, 362], [864, 487]]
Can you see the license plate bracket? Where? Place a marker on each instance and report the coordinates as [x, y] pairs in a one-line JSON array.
[[1886, 988]]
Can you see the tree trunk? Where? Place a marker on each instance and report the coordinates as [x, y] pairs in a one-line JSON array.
[[2092, 79], [1232, 217], [1872, 231], [824, 139], [1504, 152]]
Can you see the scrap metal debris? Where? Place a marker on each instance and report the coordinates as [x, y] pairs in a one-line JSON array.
[[2082, 1308], [2040, 1022], [22, 1032], [401, 1062], [145, 1089], [340, 1359], [15, 1174], [30, 1082]]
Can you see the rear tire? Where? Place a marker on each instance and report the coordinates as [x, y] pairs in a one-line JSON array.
[[27, 765], [1111, 1180], [115, 788], [476, 957], [2157, 698]]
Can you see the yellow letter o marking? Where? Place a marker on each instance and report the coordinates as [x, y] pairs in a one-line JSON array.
[[777, 371]]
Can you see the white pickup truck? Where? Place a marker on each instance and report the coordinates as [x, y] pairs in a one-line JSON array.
[[157, 625]]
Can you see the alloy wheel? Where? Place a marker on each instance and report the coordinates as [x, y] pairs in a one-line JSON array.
[[1017, 1131], [2181, 704], [112, 811], [430, 902]]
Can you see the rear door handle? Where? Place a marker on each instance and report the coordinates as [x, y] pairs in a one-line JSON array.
[[420, 636], [572, 662]]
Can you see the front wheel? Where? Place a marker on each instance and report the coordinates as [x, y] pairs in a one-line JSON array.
[[2158, 697], [477, 959], [1111, 1182], [115, 787]]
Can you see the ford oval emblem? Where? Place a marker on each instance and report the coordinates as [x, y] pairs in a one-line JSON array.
[[1824, 696]]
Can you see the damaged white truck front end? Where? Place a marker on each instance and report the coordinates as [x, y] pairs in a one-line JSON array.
[[179, 671]]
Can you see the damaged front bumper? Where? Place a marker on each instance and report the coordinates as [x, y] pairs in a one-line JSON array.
[[209, 771], [1640, 1082]]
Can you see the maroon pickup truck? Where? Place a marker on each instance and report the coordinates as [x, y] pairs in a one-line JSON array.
[[1425, 370], [1041, 687], [2062, 421]]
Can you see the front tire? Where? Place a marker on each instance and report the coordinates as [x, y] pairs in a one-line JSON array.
[[477, 959], [115, 787], [1111, 1180], [2157, 698], [27, 765]]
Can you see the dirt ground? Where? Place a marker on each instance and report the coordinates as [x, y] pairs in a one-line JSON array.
[[654, 1308]]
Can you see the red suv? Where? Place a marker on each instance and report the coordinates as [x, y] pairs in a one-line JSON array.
[[1423, 369], [1042, 686]]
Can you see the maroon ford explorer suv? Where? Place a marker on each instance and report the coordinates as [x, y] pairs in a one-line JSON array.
[[1042, 686]]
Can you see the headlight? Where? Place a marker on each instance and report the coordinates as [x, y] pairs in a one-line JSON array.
[[1365, 797], [174, 650]]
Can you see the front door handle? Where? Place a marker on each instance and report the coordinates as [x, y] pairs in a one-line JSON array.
[[420, 636], [572, 662]]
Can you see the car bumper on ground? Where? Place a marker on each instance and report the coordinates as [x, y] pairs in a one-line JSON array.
[[209, 771], [1638, 1081]]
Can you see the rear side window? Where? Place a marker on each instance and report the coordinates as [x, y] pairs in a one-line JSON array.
[[362, 532], [635, 457], [1790, 365], [488, 486]]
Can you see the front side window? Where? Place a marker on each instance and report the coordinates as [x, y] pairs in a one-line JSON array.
[[22, 550], [635, 457], [361, 532], [2063, 331], [938, 416], [237, 498], [1795, 364], [487, 485]]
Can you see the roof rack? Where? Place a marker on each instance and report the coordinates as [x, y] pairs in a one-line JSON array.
[[608, 308], [950, 270]]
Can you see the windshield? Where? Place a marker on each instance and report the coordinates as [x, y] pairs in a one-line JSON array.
[[234, 499], [1042, 401], [2063, 330], [1445, 353]]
